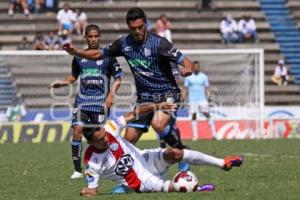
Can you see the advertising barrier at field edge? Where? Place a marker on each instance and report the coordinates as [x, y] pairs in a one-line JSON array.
[[47, 132]]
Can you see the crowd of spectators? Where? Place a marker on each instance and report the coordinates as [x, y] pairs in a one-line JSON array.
[[241, 32], [32, 6]]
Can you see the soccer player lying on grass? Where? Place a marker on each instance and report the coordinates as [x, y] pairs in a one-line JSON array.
[[110, 156]]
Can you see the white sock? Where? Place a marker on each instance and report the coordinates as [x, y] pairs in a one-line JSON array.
[[198, 158], [194, 129], [212, 127]]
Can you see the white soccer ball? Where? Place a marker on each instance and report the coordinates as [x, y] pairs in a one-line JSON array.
[[185, 181]]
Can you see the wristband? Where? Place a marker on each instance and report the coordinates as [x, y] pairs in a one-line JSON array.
[[121, 121]]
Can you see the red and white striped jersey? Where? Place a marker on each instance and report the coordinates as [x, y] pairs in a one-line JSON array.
[[121, 162]]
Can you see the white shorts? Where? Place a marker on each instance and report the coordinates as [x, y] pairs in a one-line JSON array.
[[199, 106], [157, 166]]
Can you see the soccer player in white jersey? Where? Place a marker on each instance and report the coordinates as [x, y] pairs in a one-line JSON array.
[[196, 89], [112, 157]]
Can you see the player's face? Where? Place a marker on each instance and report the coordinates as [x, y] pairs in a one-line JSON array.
[[100, 140], [93, 39], [137, 29], [196, 68]]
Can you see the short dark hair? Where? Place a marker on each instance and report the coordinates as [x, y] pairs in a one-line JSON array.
[[88, 131], [134, 14], [196, 62], [91, 27]]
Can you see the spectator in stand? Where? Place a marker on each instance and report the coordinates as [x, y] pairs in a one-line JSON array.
[[51, 5], [65, 19], [80, 21], [163, 27], [15, 5], [16, 111], [204, 5], [36, 6], [25, 45], [247, 29], [280, 76], [52, 42], [229, 30], [39, 42], [64, 38]]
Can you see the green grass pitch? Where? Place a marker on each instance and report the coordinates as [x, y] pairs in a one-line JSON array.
[[271, 171]]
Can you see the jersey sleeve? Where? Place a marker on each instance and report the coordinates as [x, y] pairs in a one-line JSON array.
[[92, 177], [186, 83], [206, 81], [112, 50], [113, 127], [75, 68], [170, 53], [115, 68]]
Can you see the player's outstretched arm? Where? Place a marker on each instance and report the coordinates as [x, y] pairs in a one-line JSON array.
[[110, 97], [88, 192], [68, 80], [91, 54], [187, 67], [149, 107]]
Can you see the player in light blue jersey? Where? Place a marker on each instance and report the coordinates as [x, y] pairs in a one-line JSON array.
[[95, 97], [196, 90]]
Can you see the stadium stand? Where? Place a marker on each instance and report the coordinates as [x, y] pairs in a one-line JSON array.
[[286, 32], [295, 51], [190, 30], [7, 89]]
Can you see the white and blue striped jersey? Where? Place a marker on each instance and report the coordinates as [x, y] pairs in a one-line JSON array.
[[149, 62], [95, 78]]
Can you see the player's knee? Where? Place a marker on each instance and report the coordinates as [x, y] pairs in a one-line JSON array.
[[173, 155], [178, 154], [77, 133], [194, 116], [131, 135], [130, 138], [158, 128], [206, 114]]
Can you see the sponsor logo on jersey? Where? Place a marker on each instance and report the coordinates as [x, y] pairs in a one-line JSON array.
[[83, 60], [99, 62], [124, 165], [128, 48], [91, 71], [114, 146], [146, 156], [147, 52], [173, 51], [111, 125], [89, 178], [101, 118], [75, 110], [136, 63]]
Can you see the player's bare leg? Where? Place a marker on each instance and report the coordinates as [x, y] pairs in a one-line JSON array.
[[164, 124], [161, 124], [132, 135]]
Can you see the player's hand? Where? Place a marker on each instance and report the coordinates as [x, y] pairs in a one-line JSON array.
[[186, 71], [72, 50], [88, 192], [167, 106], [57, 84], [109, 101]]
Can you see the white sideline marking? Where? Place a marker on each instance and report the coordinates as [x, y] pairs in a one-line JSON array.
[[268, 155]]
